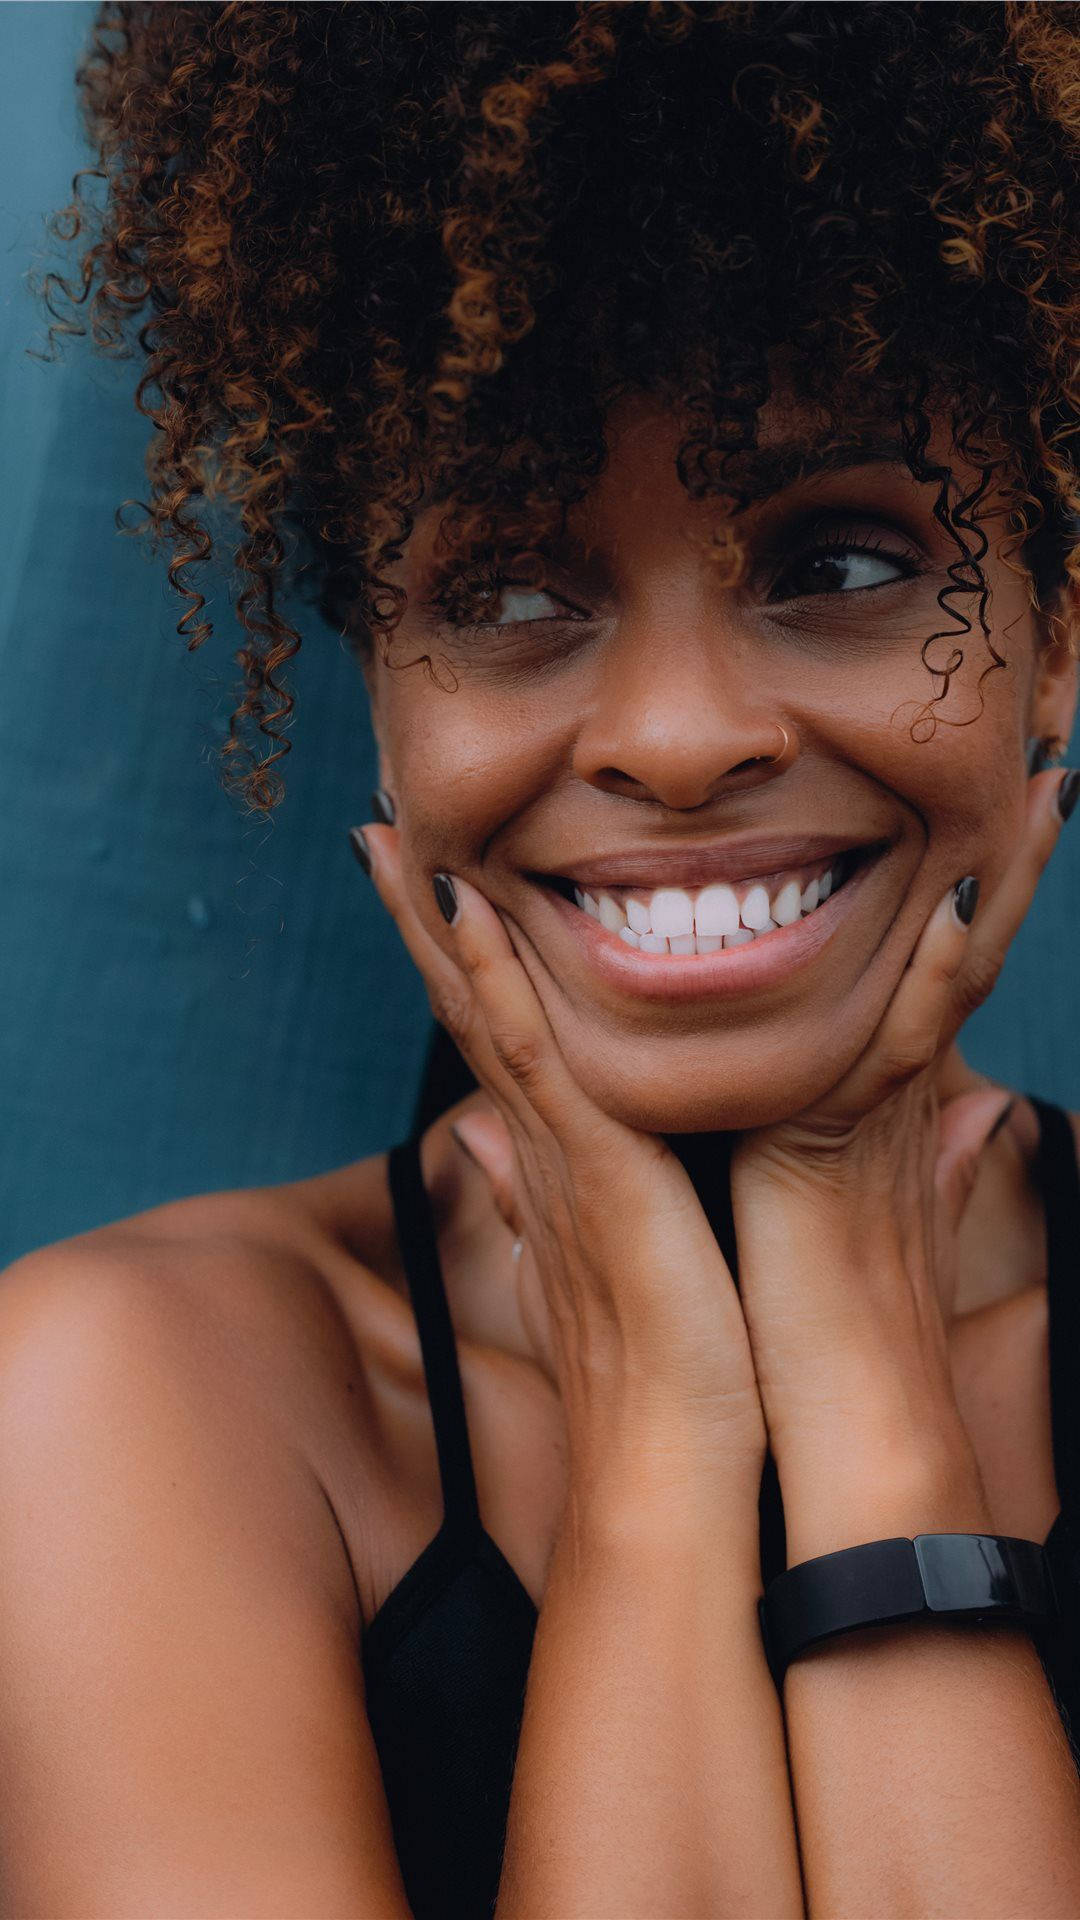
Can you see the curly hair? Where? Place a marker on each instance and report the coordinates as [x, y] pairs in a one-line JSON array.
[[383, 255]]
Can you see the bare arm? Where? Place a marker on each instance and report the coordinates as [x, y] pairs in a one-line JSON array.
[[651, 1777], [182, 1726], [932, 1773]]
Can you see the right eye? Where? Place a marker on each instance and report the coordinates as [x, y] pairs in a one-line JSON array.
[[520, 606]]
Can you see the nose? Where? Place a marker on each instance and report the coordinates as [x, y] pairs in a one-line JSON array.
[[677, 719]]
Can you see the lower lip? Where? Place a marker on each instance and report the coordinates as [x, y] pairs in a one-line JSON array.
[[762, 962]]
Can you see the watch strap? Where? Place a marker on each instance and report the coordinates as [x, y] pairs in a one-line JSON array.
[[972, 1576]]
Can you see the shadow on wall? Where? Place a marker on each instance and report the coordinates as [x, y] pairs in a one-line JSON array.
[[188, 999]]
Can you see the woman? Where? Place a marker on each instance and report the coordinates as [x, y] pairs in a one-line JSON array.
[[677, 406]]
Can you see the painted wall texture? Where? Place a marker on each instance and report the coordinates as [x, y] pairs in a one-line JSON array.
[[189, 999]]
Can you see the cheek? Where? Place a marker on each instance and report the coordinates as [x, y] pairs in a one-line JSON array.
[[464, 766], [964, 787]]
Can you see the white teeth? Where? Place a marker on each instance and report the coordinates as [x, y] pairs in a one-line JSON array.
[[716, 911], [671, 911], [673, 920], [755, 911], [787, 905]]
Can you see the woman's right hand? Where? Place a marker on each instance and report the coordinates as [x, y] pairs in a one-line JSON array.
[[648, 1340]]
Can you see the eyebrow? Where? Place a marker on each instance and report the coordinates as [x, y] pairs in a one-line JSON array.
[[762, 471]]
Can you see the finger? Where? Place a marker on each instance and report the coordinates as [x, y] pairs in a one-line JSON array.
[[1003, 912], [517, 1025], [450, 994], [481, 993], [483, 1135], [967, 1123], [909, 1035]]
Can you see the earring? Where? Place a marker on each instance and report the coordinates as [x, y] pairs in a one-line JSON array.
[[1042, 753]]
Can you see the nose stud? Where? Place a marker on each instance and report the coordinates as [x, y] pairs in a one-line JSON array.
[[771, 758]]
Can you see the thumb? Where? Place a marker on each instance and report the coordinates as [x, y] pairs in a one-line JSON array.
[[967, 1123], [484, 1137]]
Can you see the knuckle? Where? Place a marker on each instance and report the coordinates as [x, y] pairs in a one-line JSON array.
[[909, 1055], [520, 1053], [979, 979], [452, 1007]]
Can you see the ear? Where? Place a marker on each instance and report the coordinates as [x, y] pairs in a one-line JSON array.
[[1057, 667]]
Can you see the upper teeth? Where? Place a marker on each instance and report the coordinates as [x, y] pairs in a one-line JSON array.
[[673, 920]]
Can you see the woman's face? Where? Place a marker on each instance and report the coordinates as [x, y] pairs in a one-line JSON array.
[[617, 728]]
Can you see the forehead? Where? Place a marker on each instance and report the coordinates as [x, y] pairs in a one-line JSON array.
[[639, 494]]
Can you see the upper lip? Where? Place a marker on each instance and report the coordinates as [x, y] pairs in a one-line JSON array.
[[746, 857]]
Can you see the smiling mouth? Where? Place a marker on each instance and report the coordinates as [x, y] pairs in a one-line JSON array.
[[687, 920]]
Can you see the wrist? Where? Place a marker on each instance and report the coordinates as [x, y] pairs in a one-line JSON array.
[[638, 1489], [880, 1492]]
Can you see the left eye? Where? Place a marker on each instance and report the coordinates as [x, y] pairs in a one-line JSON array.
[[843, 567], [522, 604]]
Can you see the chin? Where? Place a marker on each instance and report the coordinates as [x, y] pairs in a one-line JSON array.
[[709, 1095]]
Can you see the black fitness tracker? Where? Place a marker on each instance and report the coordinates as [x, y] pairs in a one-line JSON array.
[[974, 1576]]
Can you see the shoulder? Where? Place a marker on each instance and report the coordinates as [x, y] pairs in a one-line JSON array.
[[174, 1576], [209, 1322]]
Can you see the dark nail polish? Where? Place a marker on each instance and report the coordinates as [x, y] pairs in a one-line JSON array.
[[966, 899], [1068, 792], [360, 848], [446, 897], [383, 807]]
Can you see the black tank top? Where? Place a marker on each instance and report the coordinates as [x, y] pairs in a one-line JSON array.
[[446, 1657]]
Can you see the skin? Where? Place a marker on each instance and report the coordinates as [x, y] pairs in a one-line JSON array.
[[637, 730], [617, 728], [856, 1145], [892, 1310]]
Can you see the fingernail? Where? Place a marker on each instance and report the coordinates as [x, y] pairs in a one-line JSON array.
[[966, 899], [465, 1147], [446, 897], [360, 848], [1068, 792], [1001, 1119], [383, 807]]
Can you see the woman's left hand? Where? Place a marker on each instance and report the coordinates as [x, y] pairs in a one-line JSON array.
[[846, 1218]]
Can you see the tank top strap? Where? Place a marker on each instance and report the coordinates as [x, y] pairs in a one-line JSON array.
[[1058, 1176], [420, 1256]]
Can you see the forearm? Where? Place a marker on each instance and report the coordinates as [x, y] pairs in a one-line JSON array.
[[931, 1772], [651, 1776]]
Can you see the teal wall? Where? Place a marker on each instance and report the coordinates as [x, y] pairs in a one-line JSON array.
[[189, 999]]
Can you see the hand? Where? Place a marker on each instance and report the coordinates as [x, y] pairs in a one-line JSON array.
[[649, 1341], [846, 1215]]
